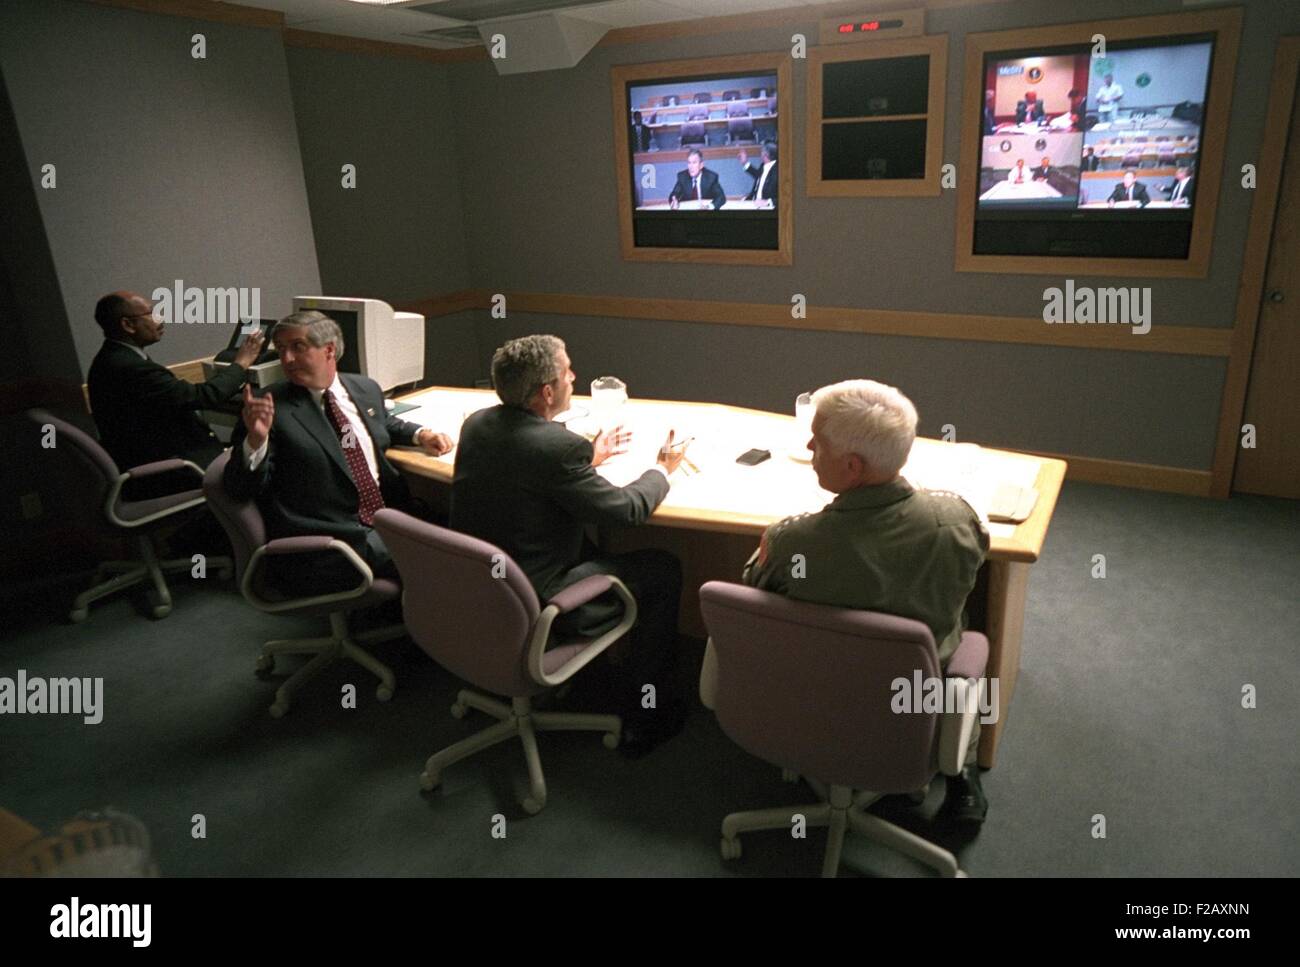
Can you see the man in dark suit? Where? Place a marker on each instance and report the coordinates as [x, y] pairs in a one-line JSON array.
[[641, 137], [765, 180], [697, 183], [530, 486], [1180, 191], [1130, 190], [1042, 172], [1030, 109], [311, 453], [143, 411]]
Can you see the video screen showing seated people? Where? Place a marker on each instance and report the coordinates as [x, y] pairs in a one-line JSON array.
[[1033, 118], [704, 144], [1141, 151], [1070, 131]]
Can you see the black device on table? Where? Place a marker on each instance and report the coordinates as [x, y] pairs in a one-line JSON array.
[[751, 458], [242, 332]]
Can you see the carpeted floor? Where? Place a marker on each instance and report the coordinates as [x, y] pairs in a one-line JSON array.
[[1129, 706]]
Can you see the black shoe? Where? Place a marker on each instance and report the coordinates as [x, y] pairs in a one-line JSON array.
[[964, 804]]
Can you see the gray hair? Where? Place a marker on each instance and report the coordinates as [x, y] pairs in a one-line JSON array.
[[321, 329], [874, 421], [523, 366]]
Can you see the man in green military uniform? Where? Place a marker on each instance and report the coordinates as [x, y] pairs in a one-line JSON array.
[[880, 545]]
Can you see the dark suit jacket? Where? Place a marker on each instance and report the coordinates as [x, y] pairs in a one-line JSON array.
[[527, 485], [145, 413], [1040, 173], [643, 142], [755, 171], [710, 187], [1026, 112], [1139, 194], [1187, 189], [303, 485]]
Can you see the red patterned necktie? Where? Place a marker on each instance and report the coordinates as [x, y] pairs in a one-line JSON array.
[[369, 499]]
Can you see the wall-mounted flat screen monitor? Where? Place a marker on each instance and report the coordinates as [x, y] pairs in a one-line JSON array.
[[703, 161], [1092, 155]]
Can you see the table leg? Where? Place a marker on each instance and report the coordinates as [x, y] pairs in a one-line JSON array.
[[1007, 585]]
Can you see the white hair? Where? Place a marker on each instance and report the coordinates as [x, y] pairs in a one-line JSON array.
[[874, 421]]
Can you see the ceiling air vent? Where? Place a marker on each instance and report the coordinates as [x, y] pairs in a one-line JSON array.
[[466, 36], [476, 10]]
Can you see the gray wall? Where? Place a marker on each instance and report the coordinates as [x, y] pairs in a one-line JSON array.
[[545, 219], [37, 339], [398, 234], [990, 392], [168, 167]]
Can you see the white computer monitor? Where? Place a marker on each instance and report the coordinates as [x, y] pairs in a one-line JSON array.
[[385, 345]]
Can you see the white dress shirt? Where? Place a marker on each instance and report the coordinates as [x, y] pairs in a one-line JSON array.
[[758, 190], [350, 412]]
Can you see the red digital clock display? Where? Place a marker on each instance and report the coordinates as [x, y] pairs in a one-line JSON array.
[[858, 27]]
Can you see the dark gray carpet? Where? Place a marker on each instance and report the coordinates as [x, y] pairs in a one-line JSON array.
[[1128, 707]]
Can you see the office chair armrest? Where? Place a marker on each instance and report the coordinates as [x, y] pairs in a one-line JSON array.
[[163, 466], [576, 595], [300, 545], [150, 470], [303, 545], [956, 726], [971, 657], [542, 629]]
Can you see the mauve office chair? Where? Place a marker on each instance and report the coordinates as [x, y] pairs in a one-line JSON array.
[[808, 687], [471, 608], [243, 525], [102, 485]]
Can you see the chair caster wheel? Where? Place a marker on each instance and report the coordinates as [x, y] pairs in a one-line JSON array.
[[160, 611], [532, 806], [611, 740], [277, 710], [459, 711], [789, 775], [265, 665], [917, 796], [78, 615], [961, 875], [383, 693], [427, 782], [730, 849]]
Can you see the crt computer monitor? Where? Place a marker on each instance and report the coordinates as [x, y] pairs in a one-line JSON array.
[[385, 345]]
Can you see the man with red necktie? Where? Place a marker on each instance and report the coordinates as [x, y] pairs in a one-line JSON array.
[[311, 453]]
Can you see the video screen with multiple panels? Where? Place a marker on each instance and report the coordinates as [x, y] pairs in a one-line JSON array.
[[1066, 132], [703, 160]]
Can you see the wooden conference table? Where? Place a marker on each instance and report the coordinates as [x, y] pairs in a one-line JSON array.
[[712, 519]]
